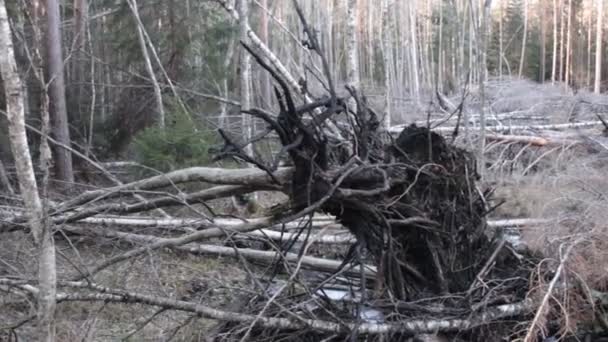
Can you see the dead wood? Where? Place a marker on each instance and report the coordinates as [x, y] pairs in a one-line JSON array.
[[410, 327]]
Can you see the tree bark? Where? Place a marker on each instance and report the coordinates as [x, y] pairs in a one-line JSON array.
[[387, 54], [543, 42], [56, 90], [27, 182], [524, 40], [160, 111], [352, 51], [554, 59], [245, 74], [598, 48], [568, 44]]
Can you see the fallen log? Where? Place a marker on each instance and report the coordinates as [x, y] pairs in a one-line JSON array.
[[244, 177], [268, 257], [408, 327], [512, 128]]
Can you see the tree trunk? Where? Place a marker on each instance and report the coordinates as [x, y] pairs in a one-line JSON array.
[[524, 40], [598, 48], [265, 79], [568, 37], [589, 49], [27, 181], [554, 59], [500, 40], [56, 90], [387, 55], [415, 86], [543, 42], [160, 111], [352, 52], [560, 71], [245, 73]]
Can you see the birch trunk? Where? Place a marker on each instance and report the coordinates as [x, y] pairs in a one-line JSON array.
[[160, 111], [554, 60], [568, 37], [560, 71], [414, 50], [598, 48], [27, 182], [543, 43], [352, 52], [523, 41], [387, 54], [245, 74]]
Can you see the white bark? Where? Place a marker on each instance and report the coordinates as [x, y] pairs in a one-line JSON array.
[[524, 40], [445, 129], [598, 47], [250, 177], [148, 63], [27, 183], [387, 55], [414, 326], [245, 75], [352, 51]]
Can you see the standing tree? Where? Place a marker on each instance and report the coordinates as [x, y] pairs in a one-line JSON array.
[[41, 231], [352, 51], [245, 73], [56, 89], [598, 48], [523, 40], [554, 59]]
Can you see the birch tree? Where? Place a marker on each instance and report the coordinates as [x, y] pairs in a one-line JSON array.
[[41, 232], [598, 47], [554, 59], [160, 119], [523, 40], [352, 52], [245, 73]]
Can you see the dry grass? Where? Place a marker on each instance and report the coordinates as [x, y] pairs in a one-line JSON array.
[[173, 275]]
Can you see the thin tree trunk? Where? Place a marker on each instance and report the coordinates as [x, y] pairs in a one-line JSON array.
[[485, 19], [56, 90], [568, 37], [160, 111], [543, 42], [387, 52], [440, 50], [554, 60], [414, 50], [352, 52], [589, 40], [560, 72], [265, 79], [245, 74], [46, 293], [80, 13], [523, 41], [598, 48], [500, 40]]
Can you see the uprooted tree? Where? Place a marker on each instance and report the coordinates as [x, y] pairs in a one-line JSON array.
[[413, 203]]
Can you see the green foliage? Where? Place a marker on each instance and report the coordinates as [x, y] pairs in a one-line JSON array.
[[182, 143]]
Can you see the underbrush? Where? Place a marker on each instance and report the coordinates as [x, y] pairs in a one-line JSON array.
[[571, 192]]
